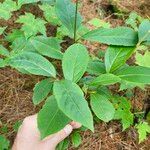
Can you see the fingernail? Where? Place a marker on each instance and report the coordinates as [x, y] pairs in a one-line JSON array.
[[68, 129]]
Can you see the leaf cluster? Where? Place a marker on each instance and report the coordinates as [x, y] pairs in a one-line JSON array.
[[81, 91]]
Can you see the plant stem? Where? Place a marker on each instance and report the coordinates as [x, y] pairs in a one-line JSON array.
[[75, 21]]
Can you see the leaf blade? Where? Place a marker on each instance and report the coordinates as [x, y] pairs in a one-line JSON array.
[[115, 57], [122, 36], [47, 46], [73, 58], [41, 90], [105, 79], [71, 101], [102, 107], [32, 63], [137, 74], [50, 118], [66, 12]]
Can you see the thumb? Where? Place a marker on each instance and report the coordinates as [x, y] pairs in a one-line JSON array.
[[61, 135]]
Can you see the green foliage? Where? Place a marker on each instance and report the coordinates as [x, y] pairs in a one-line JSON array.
[[4, 129], [4, 143], [14, 35], [123, 112], [105, 79], [144, 31], [41, 90], [2, 63], [137, 74], [2, 29], [115, 57], [21, 2], [71, 101], [122, 36], [130, 85], [17, 125], [47, 46], [63, 145], [143, 129], [73, 58], [31, 25], [143, 60], [76, 139], [6, 8], [32, 63], [83, 78], [102, 107], [22, 44], [66, 12], [50, 118], [3, 51], [133, 20], [96, 67], [50, 14], [99, 23]]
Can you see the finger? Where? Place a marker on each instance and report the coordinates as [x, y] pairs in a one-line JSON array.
[[75, 125], [60, 136]]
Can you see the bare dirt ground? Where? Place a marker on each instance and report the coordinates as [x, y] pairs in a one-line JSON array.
[[16, 89]]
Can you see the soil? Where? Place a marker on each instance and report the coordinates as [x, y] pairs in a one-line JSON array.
[[16, 89]]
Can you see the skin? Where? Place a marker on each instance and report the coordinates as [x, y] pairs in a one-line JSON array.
[[28, 136]]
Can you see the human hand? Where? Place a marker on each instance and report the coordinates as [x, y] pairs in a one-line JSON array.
[[28, 136]]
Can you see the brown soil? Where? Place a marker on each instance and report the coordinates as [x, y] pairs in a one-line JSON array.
[[16, 89]]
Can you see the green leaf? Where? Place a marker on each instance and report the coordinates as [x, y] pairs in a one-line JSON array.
[[63, 145], [144, 31], [22, 44], [105, 79], [62, 31], [50, 118], [130, 85], [76, 139], [21, 2], [4, 143], [143, 60], [102, 107], [66, 12], [6, 8], [2, 63], [14, 35], [50, 14], [2, 29], [123, 112], [135, 74], [104, 91], [47, 46], [115, 57], [31, 25], [71, 101], [143, 129], [133, 20], [99, 23], [4, 129], [3, 51], [96, 67], [32, 63], [41, 90], [83, 29], [122, 36], [75, 62], [17, 125]]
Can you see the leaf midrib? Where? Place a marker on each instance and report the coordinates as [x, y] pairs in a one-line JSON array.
[[33, 64]]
